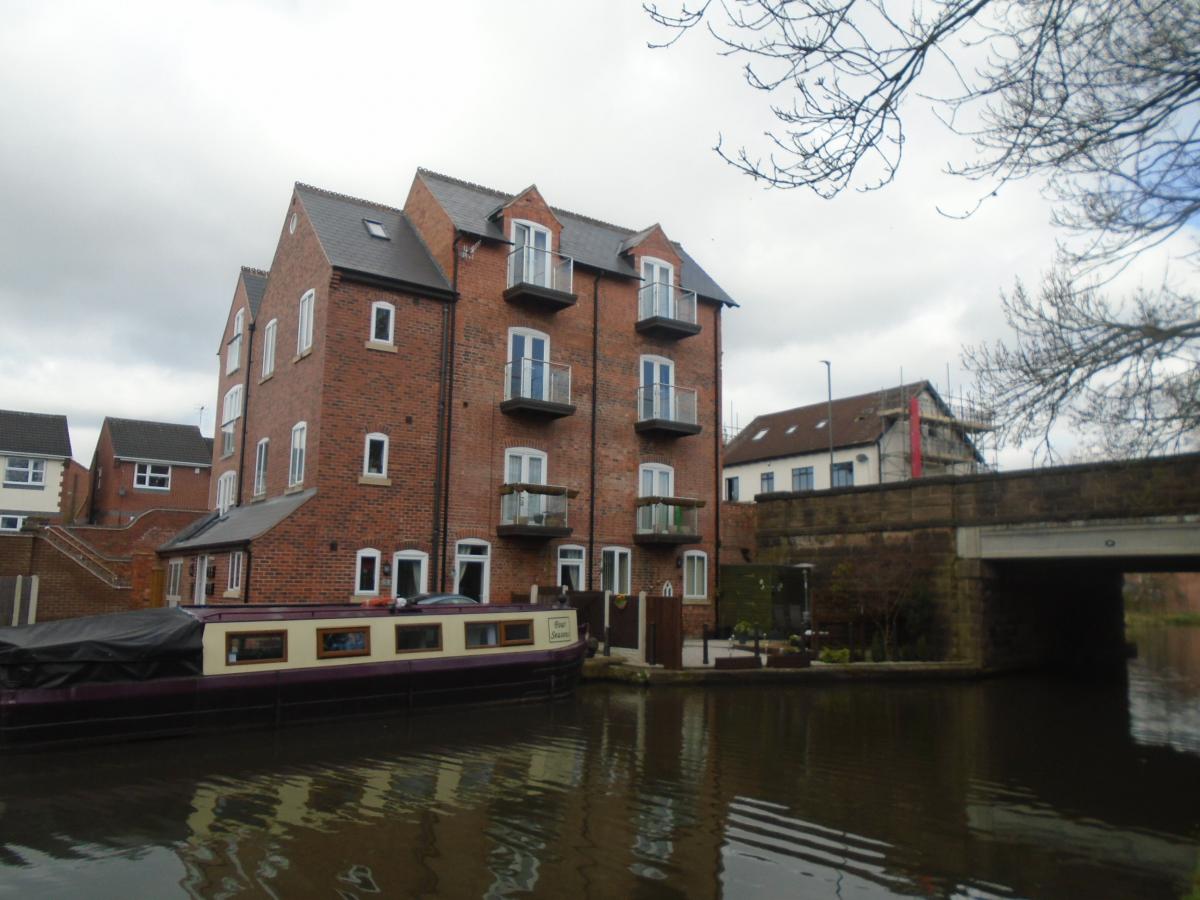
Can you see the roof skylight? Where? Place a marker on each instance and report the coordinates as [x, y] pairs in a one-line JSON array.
[[822, 423], [761, 434], [376, 229], [791, 428]]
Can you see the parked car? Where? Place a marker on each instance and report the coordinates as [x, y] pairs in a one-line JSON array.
[[439, 599]]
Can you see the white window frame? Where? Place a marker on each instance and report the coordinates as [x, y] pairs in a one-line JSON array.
[[667, 308], [268, 365], [617, 553], [733, 488], [226, 492], [391, 329], [375, 436], [689, 587], [234, 582], [526, 454], [304, 327], [798, 475], [144, 473], [485, 558], [525, 380], [231, 411], [579, 564], [534, 228], [662, 402], [233, 350], [174, 584], [260, 466], [11, 523], [199, 594], [33, 469], [657, 469], [296, 456], [422, 560], [366, 553]]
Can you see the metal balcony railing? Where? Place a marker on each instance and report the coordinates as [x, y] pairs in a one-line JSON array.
[[667, 402], [663, 300], [540, 268], [667, 517], [536, 379], [534, 505]]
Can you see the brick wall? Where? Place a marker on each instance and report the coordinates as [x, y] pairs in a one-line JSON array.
[[65, 589], [739, 522]]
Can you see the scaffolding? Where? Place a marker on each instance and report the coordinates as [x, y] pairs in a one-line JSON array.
[[956, 435]]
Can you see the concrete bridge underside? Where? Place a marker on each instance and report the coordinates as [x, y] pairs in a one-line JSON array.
[[1024, 568]]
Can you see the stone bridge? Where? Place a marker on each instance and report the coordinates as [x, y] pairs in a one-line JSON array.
[[1024, 568]]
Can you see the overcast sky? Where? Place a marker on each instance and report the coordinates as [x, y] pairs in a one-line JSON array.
[[148, 151]]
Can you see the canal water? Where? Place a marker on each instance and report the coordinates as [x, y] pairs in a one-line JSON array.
[[1004, 788]]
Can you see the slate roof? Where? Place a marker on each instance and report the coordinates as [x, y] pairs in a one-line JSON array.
[[402, 257], [588, 241], [39, 434], [256, 285], [159, 442], [856, 421], [239, 525]]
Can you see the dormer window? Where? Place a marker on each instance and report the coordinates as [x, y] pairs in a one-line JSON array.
[[376, 229]]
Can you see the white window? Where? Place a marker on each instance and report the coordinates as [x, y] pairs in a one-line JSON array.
[[523, 465], [231, 411], [233, 350], [410, 573], [375, 455], [296, 464], [615, 570], [695, 575], [174, 579], [226, 492], [200, 583], [472, 569], [528, 357], [655, 480], [570, 566], [235, 571], [731, 488], [530, 260], [11, 523], [260, 467], [269, 347], [304, 332], [658, 279], [152, 477], [383, 321], [657, 393], [22, 470], [366, 567]]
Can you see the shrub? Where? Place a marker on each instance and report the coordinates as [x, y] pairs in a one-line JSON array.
[[829, 655]]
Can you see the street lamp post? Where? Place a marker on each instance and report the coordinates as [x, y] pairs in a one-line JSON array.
[[829, 419]]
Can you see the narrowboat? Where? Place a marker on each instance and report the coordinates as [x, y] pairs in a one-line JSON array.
[[194, 668]]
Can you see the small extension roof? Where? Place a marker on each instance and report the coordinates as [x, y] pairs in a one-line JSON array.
[[161, 442], [239, 525], [588, 241], [256, 285], [399, 255], [37, 434], [792, 432]]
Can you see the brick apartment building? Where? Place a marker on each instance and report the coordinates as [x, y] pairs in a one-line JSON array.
[[139, 466], [477, 392]]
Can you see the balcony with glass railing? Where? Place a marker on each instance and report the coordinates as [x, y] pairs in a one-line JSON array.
[[666, 311], [536, 387], [667, 410], [534, 510], [540, 278], [668, 520]]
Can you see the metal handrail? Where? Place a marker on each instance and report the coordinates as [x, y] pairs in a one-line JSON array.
[[541, 268], [537, 379], [667, 401], [663, 299], [82, 555], [667, 519], [522, 506]]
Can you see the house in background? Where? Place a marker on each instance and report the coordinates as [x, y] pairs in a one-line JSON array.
[[478, 392], [139, 466], [40, 478], [888, 435]]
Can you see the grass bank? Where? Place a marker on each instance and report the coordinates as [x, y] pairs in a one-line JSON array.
[[1144, 618]]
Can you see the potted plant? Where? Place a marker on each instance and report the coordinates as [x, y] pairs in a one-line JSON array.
[[792, 655]]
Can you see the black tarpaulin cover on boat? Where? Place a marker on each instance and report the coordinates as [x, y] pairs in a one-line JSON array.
[[127, 646]]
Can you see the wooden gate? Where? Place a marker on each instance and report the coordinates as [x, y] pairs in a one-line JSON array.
[[623, 621], [664, 632]]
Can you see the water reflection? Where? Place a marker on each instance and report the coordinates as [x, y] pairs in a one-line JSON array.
[[999, 789]]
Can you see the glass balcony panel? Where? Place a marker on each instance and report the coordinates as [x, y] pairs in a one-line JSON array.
[[527, 507], [540, 268], [536, 379], [668, 402], [667, 519], [661, 300]]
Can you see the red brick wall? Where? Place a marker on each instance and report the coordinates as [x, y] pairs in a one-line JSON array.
[[65, 589], [149, 531], [738, 524], [74, 498], [223, 462]]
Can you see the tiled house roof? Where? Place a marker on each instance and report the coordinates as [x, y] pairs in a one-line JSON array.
[[256, 285], [34, 433], [159, 442]]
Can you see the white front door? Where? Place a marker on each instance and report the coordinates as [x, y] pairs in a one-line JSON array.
[[658, 388], [535, 258], [528, 351], [658, 277], [472, 569], [655, 481], [525, 466]]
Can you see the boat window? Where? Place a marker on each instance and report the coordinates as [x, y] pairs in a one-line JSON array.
[[413, 638], [516, 632], [337, 642], [255, 647], [482, 634]]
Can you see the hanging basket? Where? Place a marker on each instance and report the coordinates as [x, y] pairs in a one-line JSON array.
[[620, 601]]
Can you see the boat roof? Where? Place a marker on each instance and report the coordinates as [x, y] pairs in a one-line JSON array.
[[301, 611]]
